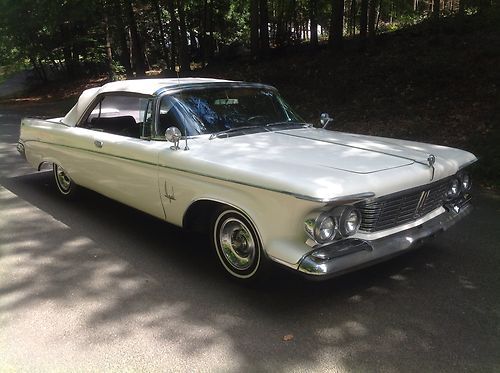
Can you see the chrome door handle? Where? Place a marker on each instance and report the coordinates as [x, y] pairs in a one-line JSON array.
[[98, 143]]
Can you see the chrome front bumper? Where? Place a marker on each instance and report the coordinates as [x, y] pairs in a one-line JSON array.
[[351, 254]]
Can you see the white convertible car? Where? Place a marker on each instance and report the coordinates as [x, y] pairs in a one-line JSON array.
[[233, 159]]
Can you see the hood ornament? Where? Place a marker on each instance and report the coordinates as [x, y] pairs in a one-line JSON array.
[[431, 159]]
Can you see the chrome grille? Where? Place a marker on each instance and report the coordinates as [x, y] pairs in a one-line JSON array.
[[402, 207]]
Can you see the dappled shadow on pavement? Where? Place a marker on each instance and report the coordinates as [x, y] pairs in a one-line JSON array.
[[120, 280]]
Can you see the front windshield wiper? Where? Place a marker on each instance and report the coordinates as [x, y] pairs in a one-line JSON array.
[[235, 129]]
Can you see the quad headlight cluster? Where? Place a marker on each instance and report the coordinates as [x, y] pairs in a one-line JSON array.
[[342, 221], [459, 184]]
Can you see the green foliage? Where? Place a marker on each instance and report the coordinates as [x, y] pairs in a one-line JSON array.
[[236, 28], [69, 36]]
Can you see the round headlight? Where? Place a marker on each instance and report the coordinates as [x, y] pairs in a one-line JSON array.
[[453, 189], [349, 221], [324, 229], [465, 181]]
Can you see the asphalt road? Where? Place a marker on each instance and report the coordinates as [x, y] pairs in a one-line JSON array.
[[95, 285]]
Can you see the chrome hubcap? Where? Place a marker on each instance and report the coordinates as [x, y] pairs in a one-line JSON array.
[[63, 179], [237, 243]]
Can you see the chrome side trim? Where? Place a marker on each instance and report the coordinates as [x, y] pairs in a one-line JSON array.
[[353, 197], [346, 199]]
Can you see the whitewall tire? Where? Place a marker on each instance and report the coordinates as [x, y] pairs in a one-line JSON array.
[[237, 244], [65, 185]]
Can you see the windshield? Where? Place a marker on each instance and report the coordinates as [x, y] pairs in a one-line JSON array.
[[210, 111]]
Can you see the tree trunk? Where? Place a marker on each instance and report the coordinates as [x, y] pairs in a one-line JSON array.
[[281, 23], [109, 54], [203, 33], [363, 19], [379, 12], [336, 24], [139, 63], [313, 17], [174, 33], [351, 23], [183, 42], [436, 8], [67, 50], [161, 29], [43, 73], [254, 26], [37, 69], [372, 17], [122, 38], [68, 61], [295, 21], [264, 26], [211, 41], [461, 7], [107, 33]]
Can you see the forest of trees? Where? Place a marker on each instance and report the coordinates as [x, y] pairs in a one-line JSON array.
[[78, 37]]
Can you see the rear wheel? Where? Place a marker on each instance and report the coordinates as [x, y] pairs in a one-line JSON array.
[[65, 185], [237, 244]]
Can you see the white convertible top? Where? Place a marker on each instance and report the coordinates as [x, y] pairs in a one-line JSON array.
[[139, 86]]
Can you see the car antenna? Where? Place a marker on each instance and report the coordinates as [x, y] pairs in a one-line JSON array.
[[186, 147]]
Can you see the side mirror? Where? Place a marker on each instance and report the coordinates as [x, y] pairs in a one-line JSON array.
[[324, 119], [173, 134]]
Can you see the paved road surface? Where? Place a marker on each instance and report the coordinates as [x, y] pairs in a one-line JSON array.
[[16, 84], [94, 285]]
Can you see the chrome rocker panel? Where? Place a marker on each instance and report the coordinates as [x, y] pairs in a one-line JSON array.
[[351, 254]]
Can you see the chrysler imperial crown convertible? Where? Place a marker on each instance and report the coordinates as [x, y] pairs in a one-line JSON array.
[[234, 160]]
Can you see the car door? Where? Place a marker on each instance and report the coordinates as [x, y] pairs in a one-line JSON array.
[[175, 185], [125, 165]]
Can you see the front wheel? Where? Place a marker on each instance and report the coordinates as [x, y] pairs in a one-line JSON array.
[[65, 185], [237, 244]]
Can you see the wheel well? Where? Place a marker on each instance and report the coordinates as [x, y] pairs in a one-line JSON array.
[[197, 216], [43, 165]]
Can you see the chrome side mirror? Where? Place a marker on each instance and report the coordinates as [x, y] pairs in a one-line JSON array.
[[173, 134], [324, 119]]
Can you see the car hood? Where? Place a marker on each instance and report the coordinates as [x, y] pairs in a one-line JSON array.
[[321, 164]]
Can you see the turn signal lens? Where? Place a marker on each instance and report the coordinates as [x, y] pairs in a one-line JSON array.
[[466, 182]]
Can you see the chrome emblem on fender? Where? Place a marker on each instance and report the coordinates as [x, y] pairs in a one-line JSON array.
[[169, 196]]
